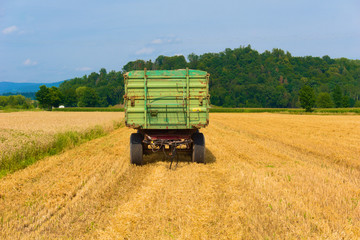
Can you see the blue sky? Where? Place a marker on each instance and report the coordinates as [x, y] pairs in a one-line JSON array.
[[49, 41]]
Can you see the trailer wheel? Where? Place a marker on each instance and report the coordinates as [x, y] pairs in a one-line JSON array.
[[198, 152], [136, 149]]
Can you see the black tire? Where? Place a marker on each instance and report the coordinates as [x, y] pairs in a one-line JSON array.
[[198, 152], [136, 149]]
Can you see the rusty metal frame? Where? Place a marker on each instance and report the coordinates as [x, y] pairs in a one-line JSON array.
[[187, 98], [148, 107], [145, 97]]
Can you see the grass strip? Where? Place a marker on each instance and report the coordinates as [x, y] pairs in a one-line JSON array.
[[10, 110], [256, 110], [338, 110], [287, 110], [33, 152], [88, 109]]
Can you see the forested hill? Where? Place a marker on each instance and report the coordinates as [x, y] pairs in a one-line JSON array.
[[240, 77]]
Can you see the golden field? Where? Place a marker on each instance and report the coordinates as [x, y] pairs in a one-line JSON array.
[[19, 129], [269, 176]]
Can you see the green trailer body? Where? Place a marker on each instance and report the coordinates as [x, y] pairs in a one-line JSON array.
[[167, 99], [167, 107]]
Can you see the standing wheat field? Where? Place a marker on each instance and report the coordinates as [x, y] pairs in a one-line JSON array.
[[268, 176], [24, 133], [18, 128]]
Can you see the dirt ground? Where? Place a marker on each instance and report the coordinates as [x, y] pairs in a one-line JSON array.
[[273, 176]]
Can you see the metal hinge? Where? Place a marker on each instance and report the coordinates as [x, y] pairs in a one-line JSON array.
[[200, 101], [153, 113]]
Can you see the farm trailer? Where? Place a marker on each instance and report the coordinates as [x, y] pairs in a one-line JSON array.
[[167, 107]]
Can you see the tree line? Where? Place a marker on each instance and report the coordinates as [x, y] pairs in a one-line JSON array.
[[240, 77], [16, 101], [101, 89]]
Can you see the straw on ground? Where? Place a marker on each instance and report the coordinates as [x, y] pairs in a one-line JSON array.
[[269, 176]]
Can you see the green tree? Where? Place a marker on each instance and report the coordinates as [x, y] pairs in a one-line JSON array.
[[345, 101], [282, 97], [43, 96], [69, 97], [102, 72], [15, 100], [324, 100], [193, 60], [3, 101], [27, 104], [134, 65], [337, 96], [87, 97], [168, 63], [307, 98], [56, 97], [49, 97], [11, 101]]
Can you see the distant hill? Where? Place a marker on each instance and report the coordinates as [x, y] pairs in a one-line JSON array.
[[11, 87]]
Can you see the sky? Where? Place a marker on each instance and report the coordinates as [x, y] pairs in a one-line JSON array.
[[50, 41]]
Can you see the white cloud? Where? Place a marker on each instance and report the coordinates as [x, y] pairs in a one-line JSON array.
[[29, 62], [10, 29], [145, 50], [165, 40], [83, 69], [157, 41]]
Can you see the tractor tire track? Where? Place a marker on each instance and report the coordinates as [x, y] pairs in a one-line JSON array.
[[258, 183]]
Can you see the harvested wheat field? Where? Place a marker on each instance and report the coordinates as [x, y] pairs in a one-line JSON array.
[[272, 176]]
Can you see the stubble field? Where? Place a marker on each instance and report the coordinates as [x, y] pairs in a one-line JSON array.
[[273, 176]]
